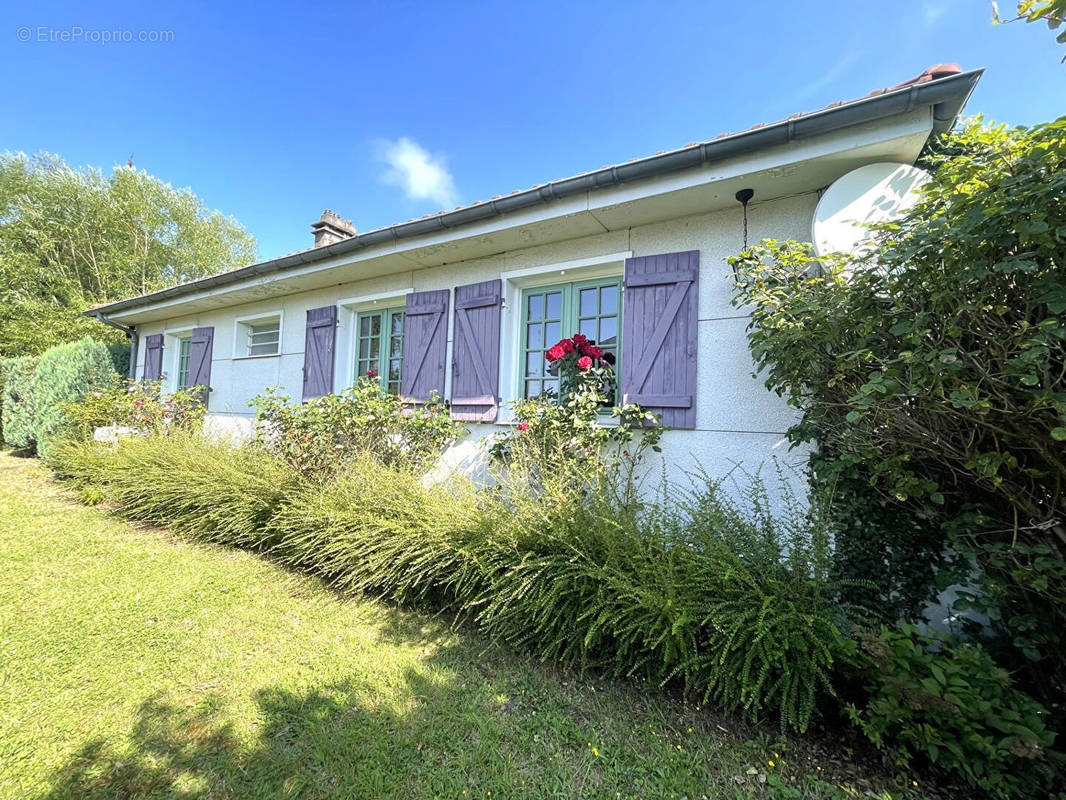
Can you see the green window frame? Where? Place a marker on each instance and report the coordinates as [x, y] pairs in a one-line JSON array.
[[184, 345], [379, 346], [550, 313]]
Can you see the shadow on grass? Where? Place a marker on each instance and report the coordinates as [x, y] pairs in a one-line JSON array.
[[330, 741]]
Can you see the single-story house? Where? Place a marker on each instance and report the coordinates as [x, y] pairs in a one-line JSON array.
[[465, 302]]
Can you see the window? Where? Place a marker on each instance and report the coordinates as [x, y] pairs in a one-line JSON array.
[[592, 308], [260, 336], [379, 346], [183, 362]]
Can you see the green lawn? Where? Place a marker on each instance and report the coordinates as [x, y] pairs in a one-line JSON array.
[[137, 664]]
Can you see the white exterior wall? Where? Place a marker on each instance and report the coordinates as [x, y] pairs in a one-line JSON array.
[[738, 422]]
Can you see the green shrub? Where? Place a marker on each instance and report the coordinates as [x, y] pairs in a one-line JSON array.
[[946, 700], [207, 489], [18, 407], [142, 406], [936, 363], [323, 434], [729, 604], [377, 530], [66, 374]]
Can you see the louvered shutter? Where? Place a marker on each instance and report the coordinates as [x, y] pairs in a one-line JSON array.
[[425, 344], [476, 351], [201, 346], [318, 351], [153, 357], [659, 331]]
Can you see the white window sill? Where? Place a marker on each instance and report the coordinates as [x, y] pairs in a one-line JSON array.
[[248, 358]]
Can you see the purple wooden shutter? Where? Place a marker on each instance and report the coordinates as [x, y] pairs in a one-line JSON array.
[[425, 344], [201, 346], [318, 351], [659, 335], [153, 357], [476, 351]]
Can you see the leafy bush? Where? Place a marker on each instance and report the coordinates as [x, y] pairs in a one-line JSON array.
[[946, 700], [66, 374], [323, 434], [560, 440], [141, 406], [17, 406], [946, 387]]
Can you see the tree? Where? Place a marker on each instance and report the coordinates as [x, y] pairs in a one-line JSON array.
[[1051, 12], [937, 364], [73, 237]]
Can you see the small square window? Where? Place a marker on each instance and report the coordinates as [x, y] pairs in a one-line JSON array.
[[259, 337]]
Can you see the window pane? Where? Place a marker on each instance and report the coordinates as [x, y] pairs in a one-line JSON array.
[[532, 388], [534, 361], [364, 349], [364, 326], [397, 323], [588, 328], [534, 335], [609, 300], [394, 370], [270, 349], [608, 331], [375, 346], [588, 302], [535, 306], [555, 305], [375, 325], [551, 386], [552, 332]]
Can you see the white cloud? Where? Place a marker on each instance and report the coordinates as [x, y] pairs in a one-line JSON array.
[[422, 176]]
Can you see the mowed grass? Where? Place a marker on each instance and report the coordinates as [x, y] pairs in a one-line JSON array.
[[134, 663]]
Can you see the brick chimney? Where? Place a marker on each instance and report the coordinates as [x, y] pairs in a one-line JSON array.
[[331, 228]]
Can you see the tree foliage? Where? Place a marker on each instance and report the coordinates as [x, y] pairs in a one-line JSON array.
[[73, 237], [937, 362]]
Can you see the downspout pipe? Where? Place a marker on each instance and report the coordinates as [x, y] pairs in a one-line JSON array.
[[131, 334]]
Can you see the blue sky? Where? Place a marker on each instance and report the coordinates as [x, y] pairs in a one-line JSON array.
[[391, 110]]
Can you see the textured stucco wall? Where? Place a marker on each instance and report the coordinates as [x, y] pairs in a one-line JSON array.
[[739, 422]]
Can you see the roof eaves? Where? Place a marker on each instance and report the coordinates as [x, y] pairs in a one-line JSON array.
[[946, 95]]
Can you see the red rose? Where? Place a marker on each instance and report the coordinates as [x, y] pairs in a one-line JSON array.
[[555, 353], [584, 348], [584, 362], [609, 358], [371, 373], [522, 426], [594, 351], [580, 339], [138, 403], [567, 345]]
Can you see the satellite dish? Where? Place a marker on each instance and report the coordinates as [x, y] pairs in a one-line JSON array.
[[874, 193]]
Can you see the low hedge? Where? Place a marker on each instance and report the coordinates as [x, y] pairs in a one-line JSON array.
[[729, 605], [588, 582]]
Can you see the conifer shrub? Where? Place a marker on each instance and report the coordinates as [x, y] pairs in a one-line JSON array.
[[19, 409], [66, 374]]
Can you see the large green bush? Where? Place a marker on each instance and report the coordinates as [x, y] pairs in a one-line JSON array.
[[18, 407], [324, 434], [940, 698], [935, 365], [66, 374]]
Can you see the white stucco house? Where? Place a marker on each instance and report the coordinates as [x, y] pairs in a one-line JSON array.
[[464, 302]]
